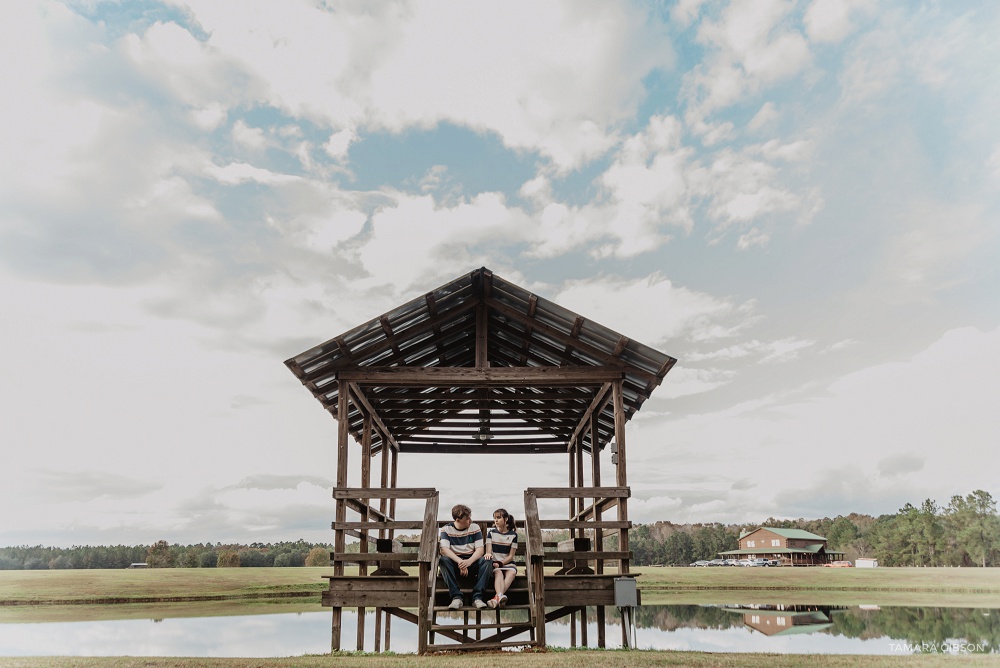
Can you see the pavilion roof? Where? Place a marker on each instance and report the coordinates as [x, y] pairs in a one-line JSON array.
[[490, 328]]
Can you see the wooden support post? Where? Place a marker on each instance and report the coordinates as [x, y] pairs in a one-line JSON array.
[[366, 471], [393, 469], [572, 629], [423, 623], [621, 478], [598, 533], [482, 339], [583, 626], [572, 483], [343, 433], [579, 483]]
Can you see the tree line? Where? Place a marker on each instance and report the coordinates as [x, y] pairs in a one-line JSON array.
[[165, 555], [966, 532]]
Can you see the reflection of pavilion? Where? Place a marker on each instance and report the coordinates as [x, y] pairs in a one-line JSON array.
[[783, 620]]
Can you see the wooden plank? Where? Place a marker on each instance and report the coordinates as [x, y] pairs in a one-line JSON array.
[[596, 406], [583, 524], [359, 395], [370, 557], [369, 598], [479, 449], [357, 506], [588, 556], [376, 493], [379, 525], [580, 492], [429, 536], [371, 583], [539, 376], [534, 534]]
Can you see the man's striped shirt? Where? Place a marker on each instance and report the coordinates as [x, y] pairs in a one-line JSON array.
[[462, 542]]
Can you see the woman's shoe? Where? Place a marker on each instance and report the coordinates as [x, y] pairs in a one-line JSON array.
[[502, 601], [493, 602]]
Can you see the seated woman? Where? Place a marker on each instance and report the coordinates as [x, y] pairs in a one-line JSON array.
[[501, 546]]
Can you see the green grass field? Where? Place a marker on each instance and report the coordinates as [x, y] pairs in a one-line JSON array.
[[966, 587]]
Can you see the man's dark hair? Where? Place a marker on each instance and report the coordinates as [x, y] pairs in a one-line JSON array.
[[461, 511]]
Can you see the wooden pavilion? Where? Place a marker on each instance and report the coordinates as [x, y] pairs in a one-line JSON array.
[[479, 366]]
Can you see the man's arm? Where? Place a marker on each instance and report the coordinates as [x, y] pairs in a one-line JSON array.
[[447, 552]]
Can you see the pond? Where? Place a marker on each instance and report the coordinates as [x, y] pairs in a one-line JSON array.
[[791, 629]]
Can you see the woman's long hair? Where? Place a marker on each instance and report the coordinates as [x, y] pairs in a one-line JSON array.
[[508, 520]]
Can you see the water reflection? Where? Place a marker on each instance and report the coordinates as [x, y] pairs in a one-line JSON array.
[[712, 628]]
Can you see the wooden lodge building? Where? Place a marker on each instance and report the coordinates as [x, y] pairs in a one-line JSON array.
[[790, 547], [480, 366]]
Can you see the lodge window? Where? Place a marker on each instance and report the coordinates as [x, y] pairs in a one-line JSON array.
[[755, 619], [775, 542], [751, 543]]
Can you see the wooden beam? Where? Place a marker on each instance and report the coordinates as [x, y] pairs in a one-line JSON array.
[[538, 376], [482, 338], [580, 492], [479, 449], [596, 406], [374, 493], [359, 395]]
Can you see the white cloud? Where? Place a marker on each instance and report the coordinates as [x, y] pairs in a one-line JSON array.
[[933, 411], [830, 20], [652, 310], [752, 46], [519, 73]]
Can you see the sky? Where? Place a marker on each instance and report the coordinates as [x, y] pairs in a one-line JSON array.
[[796, 199]]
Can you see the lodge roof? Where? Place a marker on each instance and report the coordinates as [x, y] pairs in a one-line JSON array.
[[484, 329], [794, 534]]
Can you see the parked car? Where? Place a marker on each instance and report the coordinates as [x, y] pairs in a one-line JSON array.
[[760, 562], [774, 562], [732, 562], [700, 562], [839, 564], [745, 562], [717, 562]]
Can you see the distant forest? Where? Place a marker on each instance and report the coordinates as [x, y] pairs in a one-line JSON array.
[[966, 532]]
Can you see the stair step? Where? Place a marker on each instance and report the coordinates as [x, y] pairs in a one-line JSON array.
[[472, 608], [461, 627], [477, 646]]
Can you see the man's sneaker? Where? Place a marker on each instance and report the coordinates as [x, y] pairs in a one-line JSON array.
[[478, 603], [456, 603], [493, 602], [503, 600]]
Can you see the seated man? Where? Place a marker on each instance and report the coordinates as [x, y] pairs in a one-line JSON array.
[[462, 554]]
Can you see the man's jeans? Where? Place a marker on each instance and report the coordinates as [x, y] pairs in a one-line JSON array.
[[481, 570]]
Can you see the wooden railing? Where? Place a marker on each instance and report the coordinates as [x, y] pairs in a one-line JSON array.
[[536, 554], [375, 520]]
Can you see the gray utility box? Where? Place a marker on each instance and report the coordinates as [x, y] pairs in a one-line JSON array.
[[626, 594]]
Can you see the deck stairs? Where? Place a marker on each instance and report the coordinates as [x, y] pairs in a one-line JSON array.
[[477, 629]]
